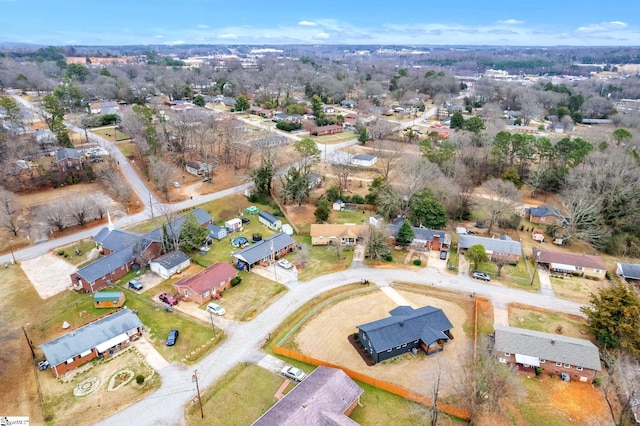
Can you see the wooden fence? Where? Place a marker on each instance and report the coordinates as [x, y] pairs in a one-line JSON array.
[[381, 384]]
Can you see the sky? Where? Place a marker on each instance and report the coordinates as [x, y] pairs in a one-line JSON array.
[[369, 22]]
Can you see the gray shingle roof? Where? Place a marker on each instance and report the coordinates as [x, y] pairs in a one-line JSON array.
[[89, 336], [363, 157], [545, 211], [116, 239], [171, 259], [319, 400], [64, 153], [547, 346], [494, 245], [423, 234], [262, 249], [176, 225], [629, 270], [407, 325]]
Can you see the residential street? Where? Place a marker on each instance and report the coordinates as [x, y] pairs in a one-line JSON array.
[[165, 407]]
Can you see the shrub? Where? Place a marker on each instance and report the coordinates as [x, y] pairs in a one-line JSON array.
[[235, 281], [538, 371], [60, 252], [388, 258], [139, 379], [597, 381], [357, 199], [417, 262]]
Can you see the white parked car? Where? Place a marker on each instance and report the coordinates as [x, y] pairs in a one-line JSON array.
[[176, 184], [214, 308], [285, 264], [293, 373]]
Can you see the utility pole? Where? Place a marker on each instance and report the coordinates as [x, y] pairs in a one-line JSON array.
[[13, 256], [195, 379], [151, 204], [212, 324]]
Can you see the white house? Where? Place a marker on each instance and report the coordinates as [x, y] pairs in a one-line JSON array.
[[364, 160], [169, 264]]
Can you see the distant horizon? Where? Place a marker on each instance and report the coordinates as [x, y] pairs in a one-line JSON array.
[[546, 23]]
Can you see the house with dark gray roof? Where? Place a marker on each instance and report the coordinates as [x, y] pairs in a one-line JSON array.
[[424, 238], [630, 272], [326, 397], [122, 249], [554, 353], [406, 330], [100, 338], [264, 252], [68, 159], [495, 247], [545, 215]]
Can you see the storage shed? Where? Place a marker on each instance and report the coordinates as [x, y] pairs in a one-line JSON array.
[[269, 220], [171, 263], [217, 232], [233, 225], [108, 299], [364, 160]]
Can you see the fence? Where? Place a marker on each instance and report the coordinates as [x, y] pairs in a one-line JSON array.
[[381, 384]]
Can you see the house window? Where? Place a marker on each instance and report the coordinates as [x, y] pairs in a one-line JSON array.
[[542, 361], [397, 347], [507, 354], [404, 345], [579, 368], [597, 271], [558, 364], [567, 366], [186, 293], [388, 350], [502, 360], [364, 337]]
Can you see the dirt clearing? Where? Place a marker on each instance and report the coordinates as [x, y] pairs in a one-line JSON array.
[[325, 336], [49, 274]]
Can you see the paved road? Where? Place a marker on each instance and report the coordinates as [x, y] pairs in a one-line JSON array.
[[165, 407]]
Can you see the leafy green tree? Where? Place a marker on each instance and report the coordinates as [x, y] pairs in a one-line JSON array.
[[405, 234], [308, 155], [77, 72], [316, 106], [295, 186], [457, 121], [199, 101], [363, 135], [473, 124], [511, 175], [262, 179], [614, 318], [105, 72], [621, 136], [476, 254], [55, 120], [322, 211], [192, 235], [427, 211], [438, 154], [242, 104], [12, 112], [288, 126]]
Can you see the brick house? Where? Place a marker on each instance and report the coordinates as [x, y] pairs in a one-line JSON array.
[[327, 396], [584, 265], [555, 354], [68, 159], [100, 338], [206, 284], [545, 215], [329, 129], [424, 238], [495, 247], [264, 252]]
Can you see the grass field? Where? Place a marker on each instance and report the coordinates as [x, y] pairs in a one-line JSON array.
[[252, 296], [547, 321], [108, 133], [324, 260], [337, 138], [575, 288]]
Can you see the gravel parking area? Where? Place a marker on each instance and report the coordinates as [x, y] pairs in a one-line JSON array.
[[49, 274]]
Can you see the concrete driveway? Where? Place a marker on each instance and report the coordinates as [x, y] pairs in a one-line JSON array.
[[277, 273]]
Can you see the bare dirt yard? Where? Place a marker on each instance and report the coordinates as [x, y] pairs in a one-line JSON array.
[[100, 388], [49, 274], [325, 336]]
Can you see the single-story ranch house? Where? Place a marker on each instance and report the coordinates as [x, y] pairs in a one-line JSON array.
[[555, 354], [325, 397], [344, 234], [544, 215], [329, 129], [495, 247], [170, 263], [206, 284], [264, 252], [424, 238], [406, 330], [96, 339], [122, 249], [584, 265]]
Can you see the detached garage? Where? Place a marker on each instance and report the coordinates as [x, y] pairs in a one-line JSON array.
[[169, 264], [364, 160]]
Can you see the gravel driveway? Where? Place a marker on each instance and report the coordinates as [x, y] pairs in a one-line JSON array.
[[49, 274]]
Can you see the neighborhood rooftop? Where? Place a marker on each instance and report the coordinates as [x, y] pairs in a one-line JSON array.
[[319, 400], [89, 336], [561, 258], [629, 270], [263, 249], [547, 346], [493, 245]]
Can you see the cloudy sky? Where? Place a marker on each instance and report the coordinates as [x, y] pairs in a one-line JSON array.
[[479, 22]]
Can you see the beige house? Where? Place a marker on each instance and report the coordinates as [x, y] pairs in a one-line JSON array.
[[583, 265], [344, 234]]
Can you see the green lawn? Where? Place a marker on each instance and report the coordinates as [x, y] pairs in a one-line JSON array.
[[70, 255], [127, 148], [323, 260], [238, 398], [337, 138], [547, 322], [108, 133], [252, 296], [514, 276], [358, 217]]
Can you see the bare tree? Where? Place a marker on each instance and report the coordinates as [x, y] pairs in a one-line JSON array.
[[161, 173], [302, 255], [8, 208], [79, 209], [500, 198], [55, 214], [99, 205], [342, 167], [388, 153], [621, 386], [380, 128]]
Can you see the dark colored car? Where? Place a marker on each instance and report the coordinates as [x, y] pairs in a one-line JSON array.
[[169, 299], [172, 337], [245, 220], [135, 284]]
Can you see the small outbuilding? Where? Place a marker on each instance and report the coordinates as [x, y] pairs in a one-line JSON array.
[[170, 263], [108, 299], [233, 225], [269, 220], [338, 205], [364, 160], [217, 232]]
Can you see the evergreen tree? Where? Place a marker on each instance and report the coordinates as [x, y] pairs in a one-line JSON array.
[[405, 234]]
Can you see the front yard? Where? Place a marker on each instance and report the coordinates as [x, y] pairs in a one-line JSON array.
[[547, 321], [576, 289]]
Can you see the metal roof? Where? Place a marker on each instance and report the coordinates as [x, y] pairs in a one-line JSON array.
[[89, 336], [107, 295], [268, 216], [547, 346], [406, 325]]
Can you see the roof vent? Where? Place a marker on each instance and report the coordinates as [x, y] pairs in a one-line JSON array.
[[401, 323]]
